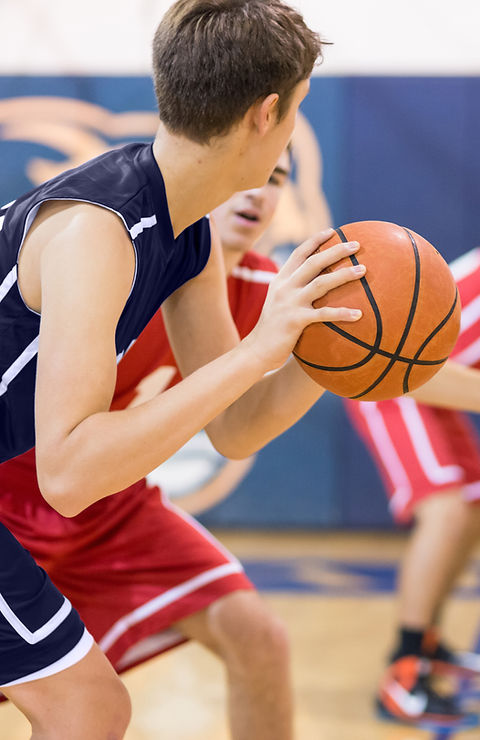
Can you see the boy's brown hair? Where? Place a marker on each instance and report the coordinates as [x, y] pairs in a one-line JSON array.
[[213, 59]]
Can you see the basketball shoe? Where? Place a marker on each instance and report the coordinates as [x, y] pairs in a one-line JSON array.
[[406, 695], [447, 661]]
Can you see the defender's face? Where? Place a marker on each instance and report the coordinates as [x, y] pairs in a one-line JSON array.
[[243, 219]]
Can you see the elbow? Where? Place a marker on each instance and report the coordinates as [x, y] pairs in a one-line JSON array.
[[233, 450], [60, 493]]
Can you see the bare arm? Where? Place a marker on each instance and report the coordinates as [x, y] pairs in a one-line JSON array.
[[267, 409], [455, 386], [276, 402], [86, 452]]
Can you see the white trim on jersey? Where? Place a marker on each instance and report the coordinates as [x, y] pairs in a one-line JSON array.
[[4, 208], [165, 599], [433, 469], [73, 656], [253, 276], [16, 367], [8, 281], [144, 223], [32, 349], [33, 637], [33, 211]]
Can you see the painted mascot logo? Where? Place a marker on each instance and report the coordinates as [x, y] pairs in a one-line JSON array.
[[79, 130]]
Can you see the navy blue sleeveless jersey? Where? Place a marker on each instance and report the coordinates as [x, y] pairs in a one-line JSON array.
[[128, 182]]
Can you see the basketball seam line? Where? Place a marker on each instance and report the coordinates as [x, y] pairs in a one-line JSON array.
[[408, 323], [375, 348], [430, 337]]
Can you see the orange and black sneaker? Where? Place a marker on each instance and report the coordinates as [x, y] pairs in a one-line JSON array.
[[449, 662], [406, 695]]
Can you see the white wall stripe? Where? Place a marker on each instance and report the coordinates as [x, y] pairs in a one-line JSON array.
[[144, 223], [163, 600], [14, 369], [435, 472], [8, 281], [253, 276], [33, 637], [73, 656]]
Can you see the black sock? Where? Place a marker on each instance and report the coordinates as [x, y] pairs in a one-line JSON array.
[[409, 643]]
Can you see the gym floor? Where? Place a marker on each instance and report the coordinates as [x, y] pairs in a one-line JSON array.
[[335, 591]]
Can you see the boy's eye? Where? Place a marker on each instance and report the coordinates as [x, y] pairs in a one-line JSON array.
[[275, 180]]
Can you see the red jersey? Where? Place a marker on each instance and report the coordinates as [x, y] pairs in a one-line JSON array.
[[466, 271], [247, 289], [421, 450]]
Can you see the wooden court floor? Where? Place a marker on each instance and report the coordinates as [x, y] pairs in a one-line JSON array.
[[334, 591]]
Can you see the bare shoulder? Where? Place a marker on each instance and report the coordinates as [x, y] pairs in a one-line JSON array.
[[78, 233], [76, 218]]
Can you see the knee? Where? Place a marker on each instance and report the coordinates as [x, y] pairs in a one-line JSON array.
[[102, 710], [248, 634], [95, 710], [117, 707]]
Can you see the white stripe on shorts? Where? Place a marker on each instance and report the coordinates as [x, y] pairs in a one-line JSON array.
[[470, 355], [433, 469], [33, 637], [149, 647], [383, 442], [73, 656], [163, 600]]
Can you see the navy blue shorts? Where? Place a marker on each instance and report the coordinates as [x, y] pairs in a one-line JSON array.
[[40, 632]]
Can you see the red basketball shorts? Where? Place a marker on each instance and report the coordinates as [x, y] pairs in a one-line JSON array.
[[419, 450], [132, 565]]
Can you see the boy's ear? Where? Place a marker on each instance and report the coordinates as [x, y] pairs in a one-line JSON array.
[[265, 113]]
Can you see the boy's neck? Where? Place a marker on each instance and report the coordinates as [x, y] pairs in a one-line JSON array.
[[197, 178]]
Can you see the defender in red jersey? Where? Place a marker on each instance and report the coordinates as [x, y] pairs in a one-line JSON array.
[[429, 459]]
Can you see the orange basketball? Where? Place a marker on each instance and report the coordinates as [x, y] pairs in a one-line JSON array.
[[410, 321]]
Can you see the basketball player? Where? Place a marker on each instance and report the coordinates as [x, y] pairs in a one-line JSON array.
[[138, 615], [86, 260], [429, 458]]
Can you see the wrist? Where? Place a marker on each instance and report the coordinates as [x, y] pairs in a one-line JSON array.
[[258, 360]]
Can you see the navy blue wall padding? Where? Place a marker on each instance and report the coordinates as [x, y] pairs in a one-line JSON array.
[[402, 149]]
